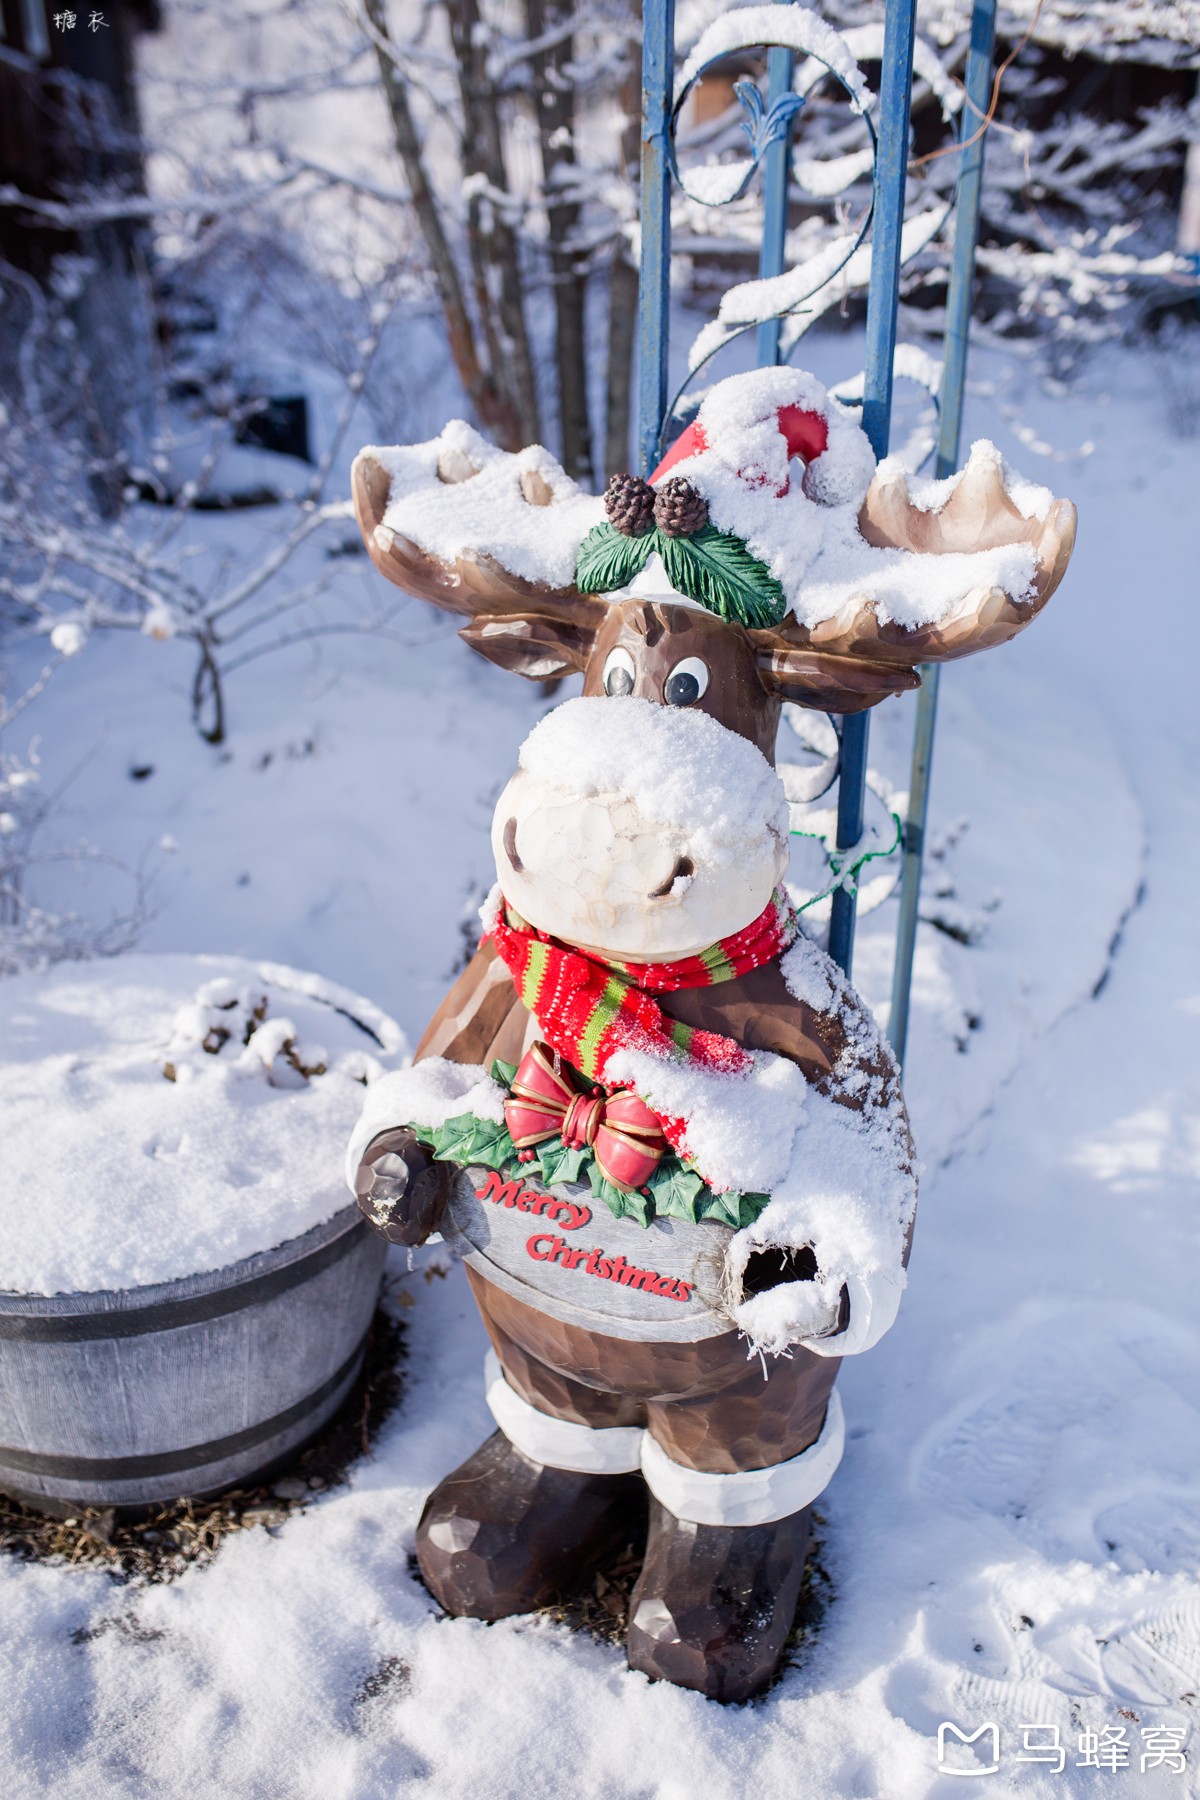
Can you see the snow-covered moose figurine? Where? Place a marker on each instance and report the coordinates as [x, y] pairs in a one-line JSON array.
[[660, 1126]]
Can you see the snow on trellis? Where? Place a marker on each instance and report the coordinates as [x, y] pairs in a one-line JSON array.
[[794, 26], [815, 286], [910, 363]]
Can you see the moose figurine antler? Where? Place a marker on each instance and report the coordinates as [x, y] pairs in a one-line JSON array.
[[659, 1125]]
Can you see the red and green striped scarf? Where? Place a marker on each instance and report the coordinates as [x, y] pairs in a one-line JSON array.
[[589, 1009]]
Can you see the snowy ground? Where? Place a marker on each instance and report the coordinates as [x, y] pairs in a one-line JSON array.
[[1014, 1533]]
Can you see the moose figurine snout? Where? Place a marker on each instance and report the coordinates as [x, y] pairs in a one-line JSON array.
[[626, 829]]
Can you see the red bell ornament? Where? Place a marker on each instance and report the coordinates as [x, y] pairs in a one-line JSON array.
[[622, 1132]]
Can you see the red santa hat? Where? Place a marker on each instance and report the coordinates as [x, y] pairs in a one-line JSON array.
[[756, 424], [721, 511]]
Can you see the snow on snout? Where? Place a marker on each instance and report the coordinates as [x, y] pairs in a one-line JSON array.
[[638, 829]]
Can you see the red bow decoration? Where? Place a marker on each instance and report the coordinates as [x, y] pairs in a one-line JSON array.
[[621, 1131]]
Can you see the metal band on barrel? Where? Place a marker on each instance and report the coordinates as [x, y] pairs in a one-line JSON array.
[[194, 1456], [170, 1315]]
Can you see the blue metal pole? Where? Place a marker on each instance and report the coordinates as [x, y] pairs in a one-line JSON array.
[[883, 298], [776, 167], [966, 232], [914, 851], [958, 324], [654, 282], [891, 168]]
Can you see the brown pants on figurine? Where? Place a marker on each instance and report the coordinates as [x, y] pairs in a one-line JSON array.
[[706, 1404], [705, 1407]]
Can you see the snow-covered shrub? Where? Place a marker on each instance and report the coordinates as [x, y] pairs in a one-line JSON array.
[[33, 936], [180, 555]]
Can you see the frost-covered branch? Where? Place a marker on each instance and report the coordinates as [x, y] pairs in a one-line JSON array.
[[104, 208], [1052, 197], [69, 569]]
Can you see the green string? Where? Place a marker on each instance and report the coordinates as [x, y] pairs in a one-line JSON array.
[[837, 868]]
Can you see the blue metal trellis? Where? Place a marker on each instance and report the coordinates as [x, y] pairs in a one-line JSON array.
[[883, 298], [776, 167], [654, 287], [958, 321], [771, 145], [768, 127]]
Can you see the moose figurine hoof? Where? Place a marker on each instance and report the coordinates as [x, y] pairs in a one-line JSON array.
[[505, 1534], [400, 1190], [714, 1604], [652, 1116]]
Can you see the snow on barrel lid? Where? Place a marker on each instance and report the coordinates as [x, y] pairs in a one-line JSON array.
[[165, 1116]]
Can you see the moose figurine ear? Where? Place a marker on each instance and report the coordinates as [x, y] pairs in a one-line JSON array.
[[789, 668], [536, 645]]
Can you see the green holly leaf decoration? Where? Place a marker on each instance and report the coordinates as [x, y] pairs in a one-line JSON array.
[[712, 567], [467, 1139], [608, 559], [677, 1191], [503, 1074], [717, 570], [749, 1207], [620, 1204], [725, 1208], [675, 1188], [557, 1163]]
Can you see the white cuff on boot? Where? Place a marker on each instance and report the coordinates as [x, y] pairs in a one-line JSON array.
[[611, 1450], [750, 1496]]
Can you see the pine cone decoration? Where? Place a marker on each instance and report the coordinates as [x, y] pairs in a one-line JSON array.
[[679, 511], [629, 503]]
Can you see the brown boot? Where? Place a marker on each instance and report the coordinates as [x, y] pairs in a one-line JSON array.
[[714, 1603], [504, 1534]]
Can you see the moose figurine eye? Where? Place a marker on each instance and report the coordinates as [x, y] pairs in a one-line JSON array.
[[618, 673], [687, 681]]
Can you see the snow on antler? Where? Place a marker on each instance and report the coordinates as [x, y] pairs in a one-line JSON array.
[[936, 570], [459, 493], [886, 567], [471, 528]]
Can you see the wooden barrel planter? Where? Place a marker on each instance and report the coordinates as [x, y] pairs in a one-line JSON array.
[[188, 1387], [164, 1114]]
